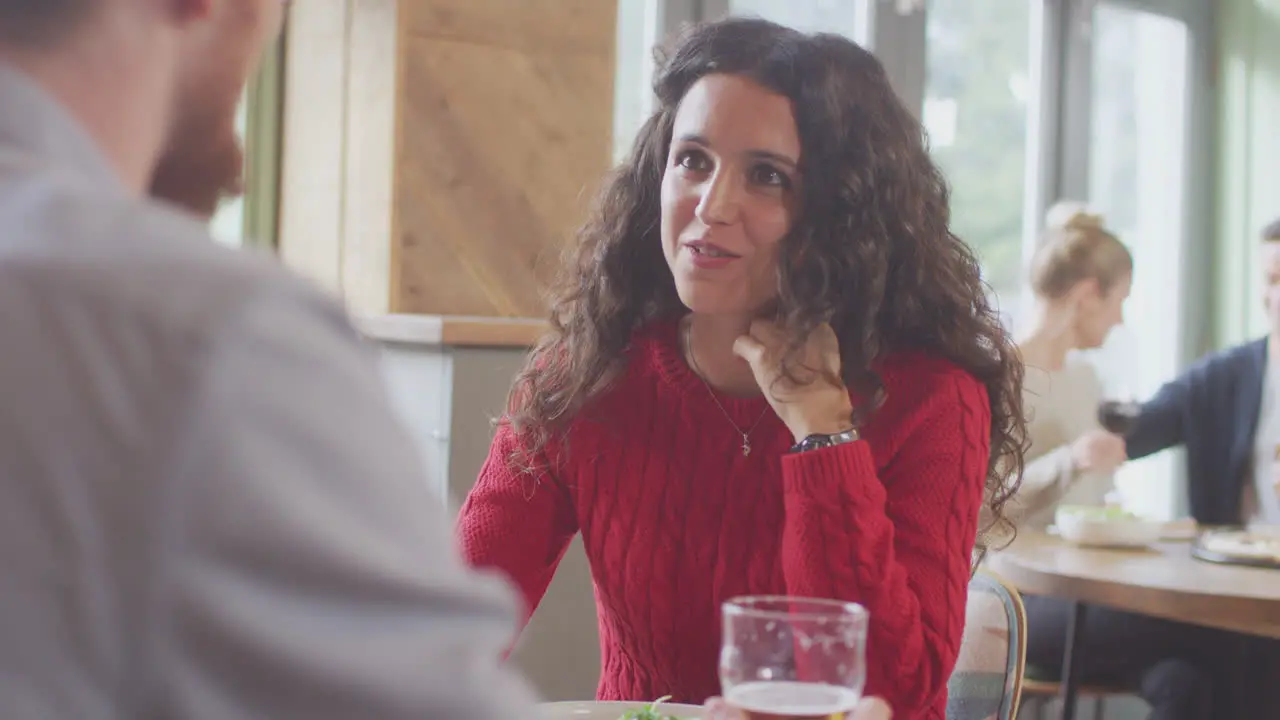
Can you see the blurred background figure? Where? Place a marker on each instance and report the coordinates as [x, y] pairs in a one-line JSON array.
[[1081, 276], [1225, 410]]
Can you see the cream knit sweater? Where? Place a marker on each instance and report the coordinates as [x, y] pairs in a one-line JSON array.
[[1060, 406]]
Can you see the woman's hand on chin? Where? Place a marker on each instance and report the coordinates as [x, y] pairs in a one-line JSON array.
[[814, 400], [868, 709]]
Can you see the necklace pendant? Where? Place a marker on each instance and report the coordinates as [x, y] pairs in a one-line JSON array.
[[746, 446]]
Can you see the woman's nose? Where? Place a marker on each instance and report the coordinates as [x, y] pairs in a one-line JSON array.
[[720, 204]]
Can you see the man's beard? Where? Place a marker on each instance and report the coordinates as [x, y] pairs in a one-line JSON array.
[[199, 171]]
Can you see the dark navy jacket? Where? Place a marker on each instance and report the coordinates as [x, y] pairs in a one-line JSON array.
[[1212, 410]]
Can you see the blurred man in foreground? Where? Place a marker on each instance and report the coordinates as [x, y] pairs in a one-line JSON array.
[[207, 508]]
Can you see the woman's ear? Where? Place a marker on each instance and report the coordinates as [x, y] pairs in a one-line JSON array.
[[1084, 291]]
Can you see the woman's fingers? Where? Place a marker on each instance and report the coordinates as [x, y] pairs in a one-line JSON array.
[[717, 709], [872, 709]]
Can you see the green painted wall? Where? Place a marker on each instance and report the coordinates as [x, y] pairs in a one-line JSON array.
[[1248, 165]]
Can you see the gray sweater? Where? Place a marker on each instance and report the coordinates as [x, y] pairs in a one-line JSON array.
[[207, 508]]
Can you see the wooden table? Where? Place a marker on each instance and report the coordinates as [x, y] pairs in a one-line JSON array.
[[1162, 581]]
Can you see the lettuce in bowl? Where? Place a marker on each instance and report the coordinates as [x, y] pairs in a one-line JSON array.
[[650, 712]]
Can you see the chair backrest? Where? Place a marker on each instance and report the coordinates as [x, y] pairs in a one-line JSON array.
[[987, 681]]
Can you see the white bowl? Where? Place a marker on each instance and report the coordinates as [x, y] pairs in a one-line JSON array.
[[609, 710], [1083, 527]]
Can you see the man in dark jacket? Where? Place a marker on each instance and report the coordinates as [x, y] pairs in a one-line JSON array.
[[1225, 410]]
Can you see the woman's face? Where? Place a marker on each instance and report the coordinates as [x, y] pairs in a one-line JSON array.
[[1099, 312], [730, 192]]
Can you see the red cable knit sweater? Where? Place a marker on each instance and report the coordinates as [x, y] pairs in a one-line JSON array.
[[675, 521]]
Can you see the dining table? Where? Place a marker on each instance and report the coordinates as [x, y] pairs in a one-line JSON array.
[[1162, 580]]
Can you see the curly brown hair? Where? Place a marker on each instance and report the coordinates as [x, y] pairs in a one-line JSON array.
[[871, 253]]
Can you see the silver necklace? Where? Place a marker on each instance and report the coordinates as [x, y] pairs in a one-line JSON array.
[[693, 364]]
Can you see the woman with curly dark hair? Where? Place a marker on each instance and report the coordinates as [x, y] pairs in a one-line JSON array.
[[771, 369]]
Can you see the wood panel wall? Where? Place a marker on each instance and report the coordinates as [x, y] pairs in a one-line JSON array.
[[437, 154], [504, 124]]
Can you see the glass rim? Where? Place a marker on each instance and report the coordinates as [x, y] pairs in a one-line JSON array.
[[758, 606]]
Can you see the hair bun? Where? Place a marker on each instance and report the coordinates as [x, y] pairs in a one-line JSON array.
[[1072, 215], [1083, 221]]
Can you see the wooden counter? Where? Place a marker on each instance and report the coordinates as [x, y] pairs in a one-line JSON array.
[[452, 330]]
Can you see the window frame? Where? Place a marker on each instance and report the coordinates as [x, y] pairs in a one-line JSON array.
[[896, 37], [1198, 182], [1193, 312], [264, 98], [1060, 129], [900, 36]]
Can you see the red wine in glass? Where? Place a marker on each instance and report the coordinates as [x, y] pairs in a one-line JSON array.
[[1118, 416]]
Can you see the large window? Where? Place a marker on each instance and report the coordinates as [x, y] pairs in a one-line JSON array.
[[840, 16], [251, 219], [975, 111], [228, 224], [646, 24], [1137, 178]]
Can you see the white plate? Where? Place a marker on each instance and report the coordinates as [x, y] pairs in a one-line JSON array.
[[1106, 526], [602, 710], [1109, 533]]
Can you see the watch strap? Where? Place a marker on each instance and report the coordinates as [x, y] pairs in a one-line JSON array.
[[816, 442]]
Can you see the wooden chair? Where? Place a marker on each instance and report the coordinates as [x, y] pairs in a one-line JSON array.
[[987, 681]]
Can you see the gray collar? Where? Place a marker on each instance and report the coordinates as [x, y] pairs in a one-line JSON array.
[[36, 127]]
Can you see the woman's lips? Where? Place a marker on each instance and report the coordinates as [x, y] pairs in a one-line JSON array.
[[709, 256]]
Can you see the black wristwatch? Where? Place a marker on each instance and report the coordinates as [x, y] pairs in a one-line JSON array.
[[815, 442]]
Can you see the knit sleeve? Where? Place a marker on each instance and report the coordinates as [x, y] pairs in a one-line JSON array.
[[1051, 471], [899, 543], [516, 521], [1044, 480]]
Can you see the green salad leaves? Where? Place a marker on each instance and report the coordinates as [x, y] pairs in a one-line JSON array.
[[650, 713]]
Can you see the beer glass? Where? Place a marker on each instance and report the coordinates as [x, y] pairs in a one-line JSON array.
[[790, 658]]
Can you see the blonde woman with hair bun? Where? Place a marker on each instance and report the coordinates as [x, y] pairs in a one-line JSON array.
[[1081, 275]]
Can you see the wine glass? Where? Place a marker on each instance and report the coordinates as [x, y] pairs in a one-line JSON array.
[[1119, 415], [1119, 410], [789, 658]]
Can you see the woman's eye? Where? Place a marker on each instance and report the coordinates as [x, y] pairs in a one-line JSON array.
[[693, 160], [769, 175]]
